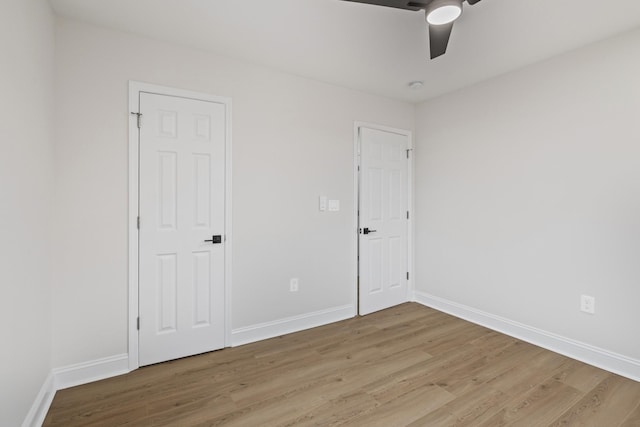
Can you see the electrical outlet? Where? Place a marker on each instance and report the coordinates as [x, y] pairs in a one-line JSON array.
[[587, 304], [293, 285]]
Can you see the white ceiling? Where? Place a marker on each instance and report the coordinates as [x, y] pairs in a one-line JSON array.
[[369, 48]]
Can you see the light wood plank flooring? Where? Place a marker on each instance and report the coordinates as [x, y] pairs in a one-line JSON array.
[[405, 366]]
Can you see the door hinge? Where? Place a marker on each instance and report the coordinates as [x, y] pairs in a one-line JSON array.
[[138, 323], [408, 150], [407, 275], [407, 214], [138, 223], [138, 119]]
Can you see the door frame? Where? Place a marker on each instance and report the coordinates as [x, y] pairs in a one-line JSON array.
[[356, 191], [135, 88]]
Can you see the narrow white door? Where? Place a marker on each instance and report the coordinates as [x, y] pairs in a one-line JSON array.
[[383, 219], [181, 258]]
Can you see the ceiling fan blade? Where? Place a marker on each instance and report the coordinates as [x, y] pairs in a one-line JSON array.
[[439, 38], [473, 1], [398, 4]]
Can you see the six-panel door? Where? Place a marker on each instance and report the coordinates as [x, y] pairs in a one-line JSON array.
[[383, 223], [182, 172]]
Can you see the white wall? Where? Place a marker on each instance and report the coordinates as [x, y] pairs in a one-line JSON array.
[[292, 141], [528, 195], [26, 184]]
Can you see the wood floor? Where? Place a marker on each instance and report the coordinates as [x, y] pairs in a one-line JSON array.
[[406, 366]]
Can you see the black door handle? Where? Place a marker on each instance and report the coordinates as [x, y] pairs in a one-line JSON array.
[[367, 231], [215, 239]]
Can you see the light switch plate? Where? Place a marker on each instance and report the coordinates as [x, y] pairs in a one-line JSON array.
[[322, 205], [334, 205]]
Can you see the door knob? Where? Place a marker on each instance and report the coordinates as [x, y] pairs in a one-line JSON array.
[[367, 231], [215, 239]]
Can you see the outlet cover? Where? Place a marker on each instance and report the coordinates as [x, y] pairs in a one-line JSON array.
[[587, 304], [293, 285]]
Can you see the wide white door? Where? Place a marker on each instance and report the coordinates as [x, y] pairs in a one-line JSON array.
[[181, 256], [383, 219]]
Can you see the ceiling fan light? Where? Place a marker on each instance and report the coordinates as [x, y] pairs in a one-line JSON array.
[[440, 12]]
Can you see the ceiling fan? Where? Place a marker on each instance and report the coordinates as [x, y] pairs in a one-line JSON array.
[[440, 15]]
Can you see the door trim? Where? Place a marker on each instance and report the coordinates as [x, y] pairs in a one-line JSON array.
[[135, 88], [356, 191]]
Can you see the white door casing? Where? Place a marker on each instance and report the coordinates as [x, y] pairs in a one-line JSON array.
[[183, 193], [383, 218]]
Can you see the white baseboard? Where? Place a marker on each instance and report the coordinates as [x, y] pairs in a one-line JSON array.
[[41, 404], [94, 370], [107, 367], [601, 358], [263, 331], [70, 376]]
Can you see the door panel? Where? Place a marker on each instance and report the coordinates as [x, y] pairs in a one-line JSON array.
[[383, 251], [182, 172]]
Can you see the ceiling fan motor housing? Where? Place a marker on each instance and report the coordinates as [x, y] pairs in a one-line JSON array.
[[439, 14]]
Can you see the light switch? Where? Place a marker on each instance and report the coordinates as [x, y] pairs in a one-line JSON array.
[[323, 203], [334, 205]]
